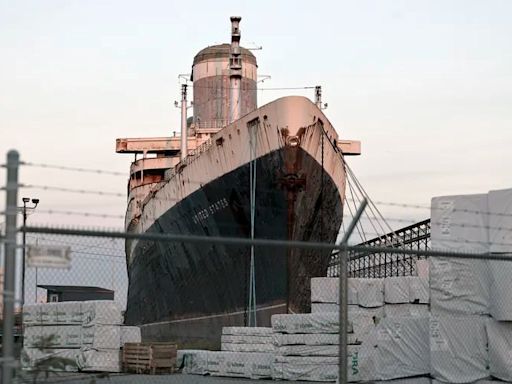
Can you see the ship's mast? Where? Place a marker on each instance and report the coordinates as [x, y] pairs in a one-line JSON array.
[[235, 67], [184, 134], [318, 96]]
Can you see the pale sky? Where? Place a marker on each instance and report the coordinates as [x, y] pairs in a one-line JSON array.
[[425, 85]]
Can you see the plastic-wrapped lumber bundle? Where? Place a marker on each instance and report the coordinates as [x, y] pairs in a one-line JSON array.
[[326, 290], [500, 235], [316, 368], [308, 350], [419, 290], [57, 360], [234, 364], [397, 290], [247, 339], [99, 360], [247, 331], [73, 336], [280, 339], [327, 322], [324, 307], [458, 348], [409, 380], [499, 335], [370, 293], [459, 286], [396, 348], [406, 310], [192, 361], [73, 313]]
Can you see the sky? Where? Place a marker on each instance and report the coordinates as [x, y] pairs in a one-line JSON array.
[[425, 85]]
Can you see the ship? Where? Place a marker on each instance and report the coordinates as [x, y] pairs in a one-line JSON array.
[[235, 171]]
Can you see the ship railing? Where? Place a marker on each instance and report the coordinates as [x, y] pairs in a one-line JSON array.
[[209, 124], [192, 156]]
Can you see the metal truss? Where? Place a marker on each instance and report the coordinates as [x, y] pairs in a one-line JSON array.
[[385, 264]]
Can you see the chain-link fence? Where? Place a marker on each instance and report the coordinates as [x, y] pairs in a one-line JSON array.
[[428, 302]]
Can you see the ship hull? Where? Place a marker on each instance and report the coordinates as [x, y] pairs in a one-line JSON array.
[[208, 284], [185, 291]]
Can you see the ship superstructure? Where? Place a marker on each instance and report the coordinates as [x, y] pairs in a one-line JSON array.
[[285, 157]]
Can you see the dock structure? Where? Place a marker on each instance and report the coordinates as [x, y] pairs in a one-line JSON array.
[[384, 264]]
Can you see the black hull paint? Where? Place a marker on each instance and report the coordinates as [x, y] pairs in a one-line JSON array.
[[169, 282]]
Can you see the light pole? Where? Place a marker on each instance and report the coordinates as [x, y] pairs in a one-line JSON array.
[[24, 210]]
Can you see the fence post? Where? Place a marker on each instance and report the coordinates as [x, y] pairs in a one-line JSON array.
[[9, 265], [343, 294]]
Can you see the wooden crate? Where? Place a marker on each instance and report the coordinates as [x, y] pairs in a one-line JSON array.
[[149, 357]]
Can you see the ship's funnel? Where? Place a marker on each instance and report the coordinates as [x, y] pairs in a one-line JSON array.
[[224, 77]]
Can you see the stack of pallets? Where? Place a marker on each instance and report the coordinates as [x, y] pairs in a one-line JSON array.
[[149, 357]]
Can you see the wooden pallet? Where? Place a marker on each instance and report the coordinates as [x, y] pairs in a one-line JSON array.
[[149, 357]]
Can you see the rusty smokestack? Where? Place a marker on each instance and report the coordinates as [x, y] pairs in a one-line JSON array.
[[235, 70]]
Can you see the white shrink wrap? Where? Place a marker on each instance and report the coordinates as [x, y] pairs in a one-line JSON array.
[[246, 339], [247, 331], [363, 320], [308, 350], [370, 293], [73, 336], [53, 336], [458, 348], [101, 312], [102, 360], [396, 290], [130, 334], [422, 268], [326, 322], [238, 347], [324, 307], [459, 286], [324, 289], [500, 233], [192, 361], [500, 297], [500, 221], [280, 339], [459, 224], [406, 310], [396, 348], [305, 372], [499, 335], [105, 312], [419, 290], [410, 380], [67, 312], [56, 360], [101, 336], [240, 364], [315, 368], [353, 287]]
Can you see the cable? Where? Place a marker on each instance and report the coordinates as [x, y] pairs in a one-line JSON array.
[[72, 190], [85, 214], [76, 169]]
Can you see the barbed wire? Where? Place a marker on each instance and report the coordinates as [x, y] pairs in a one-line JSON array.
[[71, 190], [47, 240], [84, 214], [462, 210], [73, 169]]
